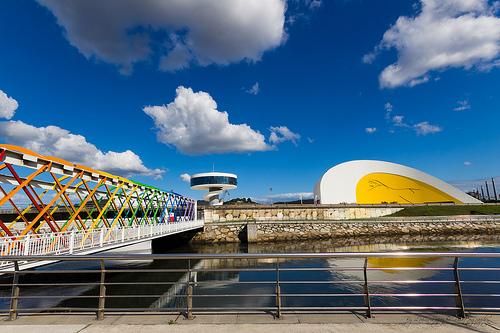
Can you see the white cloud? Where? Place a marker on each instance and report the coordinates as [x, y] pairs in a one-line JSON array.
[[201, 32], [193, 125], [8, 106], [462, 106], [399, 121], [254, 90], [301, 9], [185, 177], [281, 134], [444, 34], [421, 128], [388, 110], [424, 128], [56, 141], [467, 163], [314, 3], [370, 130]]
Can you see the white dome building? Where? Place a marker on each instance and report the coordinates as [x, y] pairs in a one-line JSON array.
[[377, 182]]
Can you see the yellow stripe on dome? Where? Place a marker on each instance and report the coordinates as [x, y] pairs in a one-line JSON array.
[[376, 188]]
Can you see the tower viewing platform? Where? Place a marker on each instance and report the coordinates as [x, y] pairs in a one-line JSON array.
[[216, 183]]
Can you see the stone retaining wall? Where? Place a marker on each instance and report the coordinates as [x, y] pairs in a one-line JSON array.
[[267, 231], [297, 212]]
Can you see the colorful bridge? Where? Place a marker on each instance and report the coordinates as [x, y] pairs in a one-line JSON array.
[[52, 206]]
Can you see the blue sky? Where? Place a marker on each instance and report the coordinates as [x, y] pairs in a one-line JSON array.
[[322, 69]]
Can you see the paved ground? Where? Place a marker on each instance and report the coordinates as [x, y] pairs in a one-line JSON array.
[[290, 323]]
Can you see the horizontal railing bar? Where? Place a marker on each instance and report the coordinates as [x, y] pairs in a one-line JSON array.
[[248, 309], [57, 296], [55, 309], [360, 255], [201, 270], [69, 271], [305, 269], [415, 308], [56, 284], [254, 282], [146, 270], [322, 295], [212, 282], [274, 281], [479, 269], [90, 310], [409, 281], [234, 295], [410, 269], [143, 296], [261, 295], [412, 295], [138, 283]]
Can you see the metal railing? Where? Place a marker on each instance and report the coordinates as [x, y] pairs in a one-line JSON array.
[[215, 283], [77, 241]]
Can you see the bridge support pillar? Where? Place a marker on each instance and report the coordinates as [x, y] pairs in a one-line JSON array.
[[252, 232]]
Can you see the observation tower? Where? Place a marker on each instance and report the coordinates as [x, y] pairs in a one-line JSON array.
[[215, 183]]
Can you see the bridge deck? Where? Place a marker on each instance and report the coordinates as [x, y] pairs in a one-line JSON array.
[[80, 242]]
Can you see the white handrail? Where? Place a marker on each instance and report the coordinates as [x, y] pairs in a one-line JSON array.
[[73, 242]]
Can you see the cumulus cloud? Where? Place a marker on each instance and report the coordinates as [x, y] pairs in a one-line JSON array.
[[424, 128], [421, 128], [462, 106], [444, 34], [185, 177], [192, 124], [8, 106], [281, 134], [254, 90], [56, 141], [186, 32], [370, 130], [467, 163]]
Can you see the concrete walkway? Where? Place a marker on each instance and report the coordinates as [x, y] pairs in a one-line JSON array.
[[290, 323]]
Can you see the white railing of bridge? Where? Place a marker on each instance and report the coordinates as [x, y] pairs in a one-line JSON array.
[[78, 241]]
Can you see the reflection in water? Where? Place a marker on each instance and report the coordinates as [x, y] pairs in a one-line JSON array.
[[166, 289]]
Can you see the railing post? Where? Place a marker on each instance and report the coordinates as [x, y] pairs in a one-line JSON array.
[[102, 293], [278, 290], [138, 232], [14, 297], [72, 242], [189, 300], [367, 291], [101, 238], [26, 245], [123, 234], [458, 291]]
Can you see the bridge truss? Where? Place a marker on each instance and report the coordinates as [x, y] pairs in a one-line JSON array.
[[43, 196]]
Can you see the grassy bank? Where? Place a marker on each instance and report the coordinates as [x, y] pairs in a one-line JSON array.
[[449, 210]]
